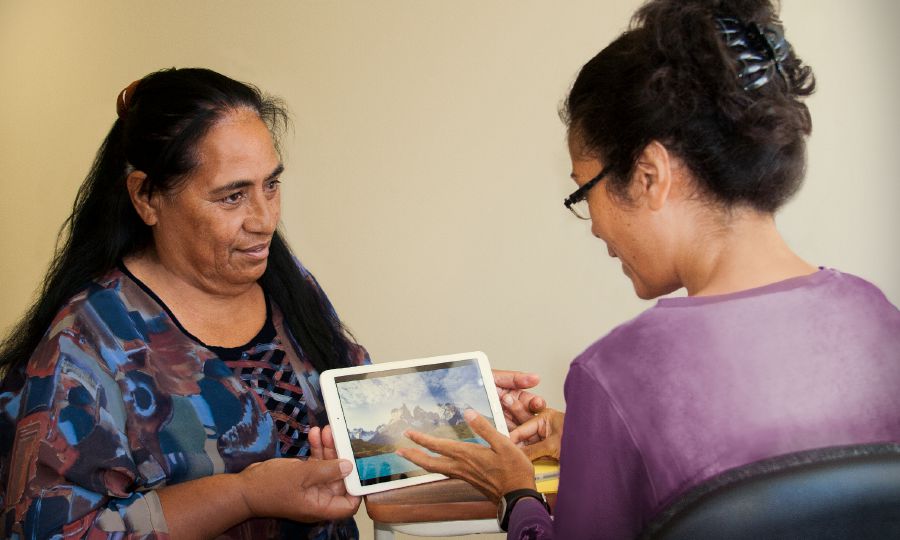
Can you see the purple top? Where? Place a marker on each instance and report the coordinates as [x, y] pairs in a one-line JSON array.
[[695, 386]]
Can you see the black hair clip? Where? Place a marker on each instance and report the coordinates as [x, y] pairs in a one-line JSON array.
[[759, 49]]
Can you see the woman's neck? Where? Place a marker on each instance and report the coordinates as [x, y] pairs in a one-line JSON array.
[[742, 251], [225, 319]]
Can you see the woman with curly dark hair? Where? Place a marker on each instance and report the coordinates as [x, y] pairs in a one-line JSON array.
[[687, 134]]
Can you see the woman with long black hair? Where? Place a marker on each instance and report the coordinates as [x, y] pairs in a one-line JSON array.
[[171, 320], [166, 378]]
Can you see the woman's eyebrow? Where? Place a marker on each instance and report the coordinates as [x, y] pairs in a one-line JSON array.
[[276, 172]]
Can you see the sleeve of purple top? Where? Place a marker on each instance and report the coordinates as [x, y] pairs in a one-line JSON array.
[[530, 520], [604, 489]]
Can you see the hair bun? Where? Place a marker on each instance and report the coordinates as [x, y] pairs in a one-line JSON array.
[[717, 83]]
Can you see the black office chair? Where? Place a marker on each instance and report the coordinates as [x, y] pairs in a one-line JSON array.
[[836, 493]]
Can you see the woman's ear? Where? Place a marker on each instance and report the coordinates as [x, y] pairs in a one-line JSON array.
[[653, 176], [141, 197]]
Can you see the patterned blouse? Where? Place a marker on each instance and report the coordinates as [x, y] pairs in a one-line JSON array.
[[119, 400]]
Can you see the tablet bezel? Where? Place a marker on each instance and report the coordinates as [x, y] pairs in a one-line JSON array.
[[339, 426]]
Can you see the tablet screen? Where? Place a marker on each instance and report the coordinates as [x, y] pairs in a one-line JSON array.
[[379, 406]]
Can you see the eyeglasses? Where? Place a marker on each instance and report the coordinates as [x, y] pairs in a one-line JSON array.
[[577, 201]]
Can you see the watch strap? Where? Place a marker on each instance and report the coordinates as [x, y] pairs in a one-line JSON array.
[[509, 500]]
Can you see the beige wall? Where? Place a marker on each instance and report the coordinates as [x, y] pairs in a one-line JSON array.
[[428, 165]]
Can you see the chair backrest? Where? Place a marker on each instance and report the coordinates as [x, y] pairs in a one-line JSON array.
[[835, 493]]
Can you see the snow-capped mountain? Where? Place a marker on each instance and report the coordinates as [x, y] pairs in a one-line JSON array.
[[401, 419], [361, 434]]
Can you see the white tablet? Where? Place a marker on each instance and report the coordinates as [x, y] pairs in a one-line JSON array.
[[369, 408]]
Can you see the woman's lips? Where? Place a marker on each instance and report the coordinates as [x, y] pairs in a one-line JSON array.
[[259, 251]]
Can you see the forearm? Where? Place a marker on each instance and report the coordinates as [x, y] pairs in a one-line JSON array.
[[205, 507]]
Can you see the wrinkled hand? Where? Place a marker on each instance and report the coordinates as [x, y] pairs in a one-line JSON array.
[[493, 471], [308, 491], [541, 436], [519, 406]]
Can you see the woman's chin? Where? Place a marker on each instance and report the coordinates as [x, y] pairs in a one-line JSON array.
[[642, 292], [641, 289], [249, 272], [650, 292]]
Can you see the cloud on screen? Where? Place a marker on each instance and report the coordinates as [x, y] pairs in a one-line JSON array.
[[460, 385], [367, 403]]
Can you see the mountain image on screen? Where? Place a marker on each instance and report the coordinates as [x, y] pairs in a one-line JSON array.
[[446, 422]]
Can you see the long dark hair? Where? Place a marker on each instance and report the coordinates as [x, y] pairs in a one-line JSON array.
[[672, 78], [160, 126]]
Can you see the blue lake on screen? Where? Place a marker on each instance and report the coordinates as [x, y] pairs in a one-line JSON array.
[[386, 465]]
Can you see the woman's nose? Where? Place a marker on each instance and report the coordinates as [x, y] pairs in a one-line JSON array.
[[263, 216]]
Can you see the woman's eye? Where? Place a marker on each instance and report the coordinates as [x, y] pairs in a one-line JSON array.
[[234, 198]]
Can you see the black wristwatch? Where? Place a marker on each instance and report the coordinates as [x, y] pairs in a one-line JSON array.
[[508, 501]]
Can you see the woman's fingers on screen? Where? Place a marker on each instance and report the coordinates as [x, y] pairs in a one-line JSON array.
[[453, 456], [485, 429], [428, 462], [493, 471], [435, 444], [498, 470]]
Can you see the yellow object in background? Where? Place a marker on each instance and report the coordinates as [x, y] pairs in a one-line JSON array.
[[546, 475]]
